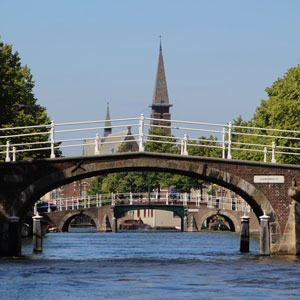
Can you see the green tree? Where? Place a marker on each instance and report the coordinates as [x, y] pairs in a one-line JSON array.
[[138, 181], [208, 147], [18, 104], [280, 111]]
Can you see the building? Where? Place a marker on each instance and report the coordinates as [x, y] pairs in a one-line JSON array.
[[121, 141], [160, 102]]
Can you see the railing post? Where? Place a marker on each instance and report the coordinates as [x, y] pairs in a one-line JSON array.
[[7, 158], [97, 200], [273, 160], [60, 208], [185, 198], [14, 154], [72, 203], [89, 201], [265, 154], [112, 199], [100, 200], [66, 204], [181, 148], [141, 133], [167, 198], [229, 141], [97, 143], [52, 155], [49, 209], [185, 141], [130, 198], [223, 143], [84, 200]]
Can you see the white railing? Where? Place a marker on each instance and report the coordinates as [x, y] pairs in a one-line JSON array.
[[99, 200], [84, 137]]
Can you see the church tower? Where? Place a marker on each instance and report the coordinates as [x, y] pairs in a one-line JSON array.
[[160, 101], [107, 124]]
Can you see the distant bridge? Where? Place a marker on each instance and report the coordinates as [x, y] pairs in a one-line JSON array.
[[105, 210]]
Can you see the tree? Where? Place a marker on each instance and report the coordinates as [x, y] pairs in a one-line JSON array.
[[280, 111], [138, 181], [18, 104]]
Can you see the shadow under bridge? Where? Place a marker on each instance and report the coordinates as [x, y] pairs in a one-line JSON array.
[[180, 210]]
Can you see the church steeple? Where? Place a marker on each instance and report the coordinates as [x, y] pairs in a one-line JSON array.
[[107, 124], [160, 101]]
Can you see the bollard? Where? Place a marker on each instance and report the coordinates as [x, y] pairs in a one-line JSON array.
[[245, 236], [37, 234], [14, 239], [184, 224], [264, 235], [114, 224]]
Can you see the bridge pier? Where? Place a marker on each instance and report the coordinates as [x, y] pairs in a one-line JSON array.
[[37, 234], [245, 235], [14, 236]]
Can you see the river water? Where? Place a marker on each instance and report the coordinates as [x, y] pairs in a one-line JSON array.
[[147, 265]]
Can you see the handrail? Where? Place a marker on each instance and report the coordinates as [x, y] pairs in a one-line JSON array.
[[98, 200], [69, 136]]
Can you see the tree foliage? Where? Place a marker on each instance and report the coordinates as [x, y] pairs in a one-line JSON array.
[[138, 181], [18, 103], [280, 111]]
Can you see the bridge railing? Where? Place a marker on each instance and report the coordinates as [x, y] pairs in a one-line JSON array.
[[195, 199], [133, 134]]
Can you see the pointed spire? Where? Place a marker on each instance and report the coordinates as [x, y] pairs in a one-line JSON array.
[[107, 124], [160, 94]]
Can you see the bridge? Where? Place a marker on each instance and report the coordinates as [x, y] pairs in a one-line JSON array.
[[268, 187], [107, 212]]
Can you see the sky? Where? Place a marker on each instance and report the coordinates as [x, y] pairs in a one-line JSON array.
[[219, 55]]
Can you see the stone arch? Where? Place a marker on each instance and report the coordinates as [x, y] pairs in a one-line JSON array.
[[211, 170], [65, 221], [233, 222], [256, 199]]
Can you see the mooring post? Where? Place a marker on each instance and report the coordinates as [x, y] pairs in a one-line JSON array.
[[184, 224], [264, 235], [37, 233], [114, 224], [245, 236], [14, 238]]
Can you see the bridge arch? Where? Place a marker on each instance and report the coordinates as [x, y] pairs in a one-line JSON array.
[[66, 220], [163, 163], [233, 222]]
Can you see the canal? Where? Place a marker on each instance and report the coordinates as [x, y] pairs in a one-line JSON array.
[[147, 265]]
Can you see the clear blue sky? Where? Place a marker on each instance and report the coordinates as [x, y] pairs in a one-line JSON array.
[[219, 55]]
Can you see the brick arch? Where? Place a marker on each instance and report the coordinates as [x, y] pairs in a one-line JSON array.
[[226, 215], [159, 163], [65, 221], [255, 198], [249, 192]]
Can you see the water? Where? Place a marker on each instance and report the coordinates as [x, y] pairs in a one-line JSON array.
[[134, 265]]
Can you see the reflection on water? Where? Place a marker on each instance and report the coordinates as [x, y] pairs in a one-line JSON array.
[[147, 265]]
